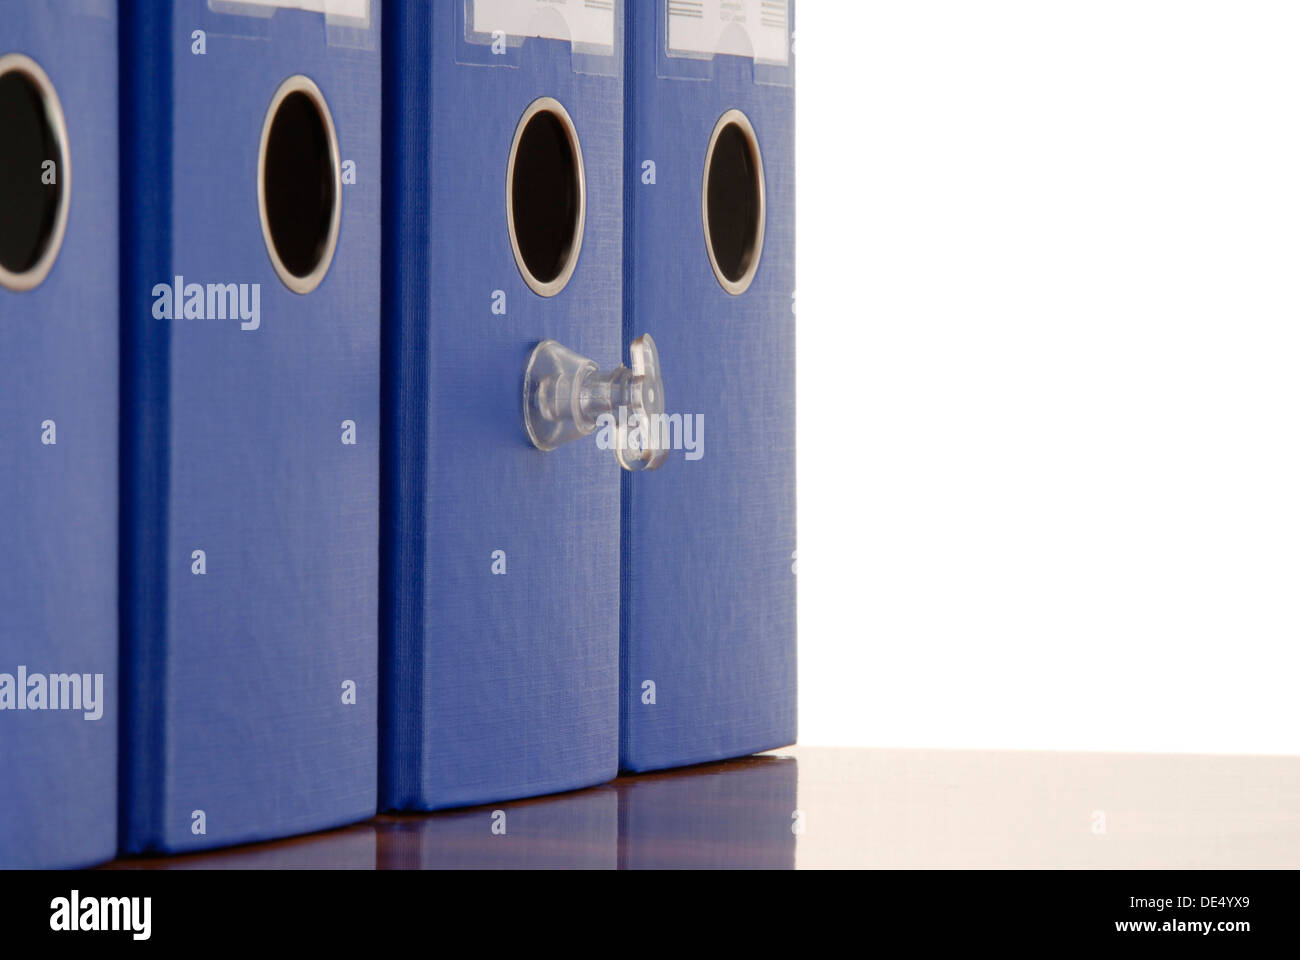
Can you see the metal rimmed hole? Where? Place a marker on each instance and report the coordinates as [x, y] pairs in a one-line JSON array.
[[735, 202], [546, 197], [35, 173], [299, 191]]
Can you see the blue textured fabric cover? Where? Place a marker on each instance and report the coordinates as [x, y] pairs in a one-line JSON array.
[[708, 546], [234, 680], [496, 686], [58, 503]]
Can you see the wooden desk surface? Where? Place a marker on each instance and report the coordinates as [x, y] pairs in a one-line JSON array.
[[821, 808]]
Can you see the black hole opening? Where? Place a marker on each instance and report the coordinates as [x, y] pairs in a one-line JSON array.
[[735, 203], [299, 184], [29, 206], [546, 197]]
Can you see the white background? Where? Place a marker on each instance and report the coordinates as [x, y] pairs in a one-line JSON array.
[[1049, 374]]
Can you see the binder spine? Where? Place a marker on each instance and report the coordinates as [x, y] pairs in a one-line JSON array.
[[635, 24], [707, 606], [407, 231], [145, 156]]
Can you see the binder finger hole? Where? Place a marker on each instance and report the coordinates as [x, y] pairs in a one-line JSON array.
[[735, 200], [299, 184], [546, 202], [34, 173]]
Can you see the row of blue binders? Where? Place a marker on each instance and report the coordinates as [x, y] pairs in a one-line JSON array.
[[276, 548]]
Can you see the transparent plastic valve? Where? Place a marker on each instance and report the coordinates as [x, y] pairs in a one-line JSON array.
[[566, 398]]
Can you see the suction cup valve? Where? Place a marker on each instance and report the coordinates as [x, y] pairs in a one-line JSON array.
[[566, 398]]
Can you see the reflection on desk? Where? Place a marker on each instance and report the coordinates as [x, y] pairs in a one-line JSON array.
[[737, 815], [352, 848], [730, 815], [815, 808], [572, 831]]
